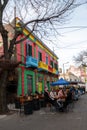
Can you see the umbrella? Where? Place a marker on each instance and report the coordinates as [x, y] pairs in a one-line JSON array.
[[60, 82]]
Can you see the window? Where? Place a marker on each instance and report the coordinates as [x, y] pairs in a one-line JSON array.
[[51, 63], [47, 60], [55, 66], [39, 56], [29, 50]]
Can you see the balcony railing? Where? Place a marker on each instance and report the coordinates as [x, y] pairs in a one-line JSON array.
[[50, 69], [54, 70], [42, 66], [31, 61]]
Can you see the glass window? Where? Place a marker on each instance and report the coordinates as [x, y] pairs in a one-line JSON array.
[[55, 66], [51, 63], [47, 60], [39, 56], [29, 50]]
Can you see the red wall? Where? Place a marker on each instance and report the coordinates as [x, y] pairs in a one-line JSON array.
[[34, 46]]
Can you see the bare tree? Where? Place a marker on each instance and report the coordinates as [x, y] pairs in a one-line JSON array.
[[42, 17], [79, 59]]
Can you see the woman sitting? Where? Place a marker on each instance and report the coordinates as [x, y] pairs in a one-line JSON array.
[[61, 98], [47, 97]]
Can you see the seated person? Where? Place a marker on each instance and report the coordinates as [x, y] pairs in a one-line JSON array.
[[62, 97], [72, 90], [52, 96], [47, 97], [69, 97]]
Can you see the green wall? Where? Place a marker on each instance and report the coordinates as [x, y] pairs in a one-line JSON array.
[[19, 90], [26, 72], [31, 73]]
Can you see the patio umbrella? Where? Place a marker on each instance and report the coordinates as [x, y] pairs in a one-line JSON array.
[[60, 82]]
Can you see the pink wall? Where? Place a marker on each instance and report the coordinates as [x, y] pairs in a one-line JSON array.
[[34, 46]]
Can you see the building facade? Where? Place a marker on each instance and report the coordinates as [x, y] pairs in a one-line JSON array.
[[39, 64]]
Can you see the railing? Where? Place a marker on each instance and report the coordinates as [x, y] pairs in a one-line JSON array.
[[54, 70], [31, 62], [43, 65], [50, 69]]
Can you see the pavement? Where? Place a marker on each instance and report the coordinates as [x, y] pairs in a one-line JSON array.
[[44, 119], [2, 116]]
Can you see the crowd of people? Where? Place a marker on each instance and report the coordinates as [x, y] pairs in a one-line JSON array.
[[61, 99]]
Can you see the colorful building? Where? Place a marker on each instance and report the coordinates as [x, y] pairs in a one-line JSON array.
[[39, 64]]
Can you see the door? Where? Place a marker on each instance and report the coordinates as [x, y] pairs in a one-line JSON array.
[[29, 84]]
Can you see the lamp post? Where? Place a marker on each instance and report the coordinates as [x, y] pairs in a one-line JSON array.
[[64, 69], [85, 65]]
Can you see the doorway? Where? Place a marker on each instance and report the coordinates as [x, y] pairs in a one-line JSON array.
[[29, 84]]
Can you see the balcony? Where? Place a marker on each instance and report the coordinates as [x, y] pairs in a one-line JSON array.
[[50, 69], [42, 66], [54, 70], [31, 62]]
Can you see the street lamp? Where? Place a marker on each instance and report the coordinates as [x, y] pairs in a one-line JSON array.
[[64, 69], [85, 65]]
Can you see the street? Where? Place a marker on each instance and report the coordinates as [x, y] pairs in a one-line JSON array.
[[75, 119]]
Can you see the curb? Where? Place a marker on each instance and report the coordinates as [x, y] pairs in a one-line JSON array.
[[2, 116]]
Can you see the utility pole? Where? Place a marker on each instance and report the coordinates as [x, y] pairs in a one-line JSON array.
[[64, 69], [85, 65]]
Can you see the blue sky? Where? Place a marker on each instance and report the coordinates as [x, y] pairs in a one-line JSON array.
[[74, 40]]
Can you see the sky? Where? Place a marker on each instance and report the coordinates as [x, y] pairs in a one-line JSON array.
[[73, 40]]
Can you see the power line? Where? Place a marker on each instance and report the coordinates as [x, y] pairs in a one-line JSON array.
[[78, 27], [75, 44]]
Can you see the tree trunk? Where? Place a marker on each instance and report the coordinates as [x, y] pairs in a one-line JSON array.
[[3, 84]]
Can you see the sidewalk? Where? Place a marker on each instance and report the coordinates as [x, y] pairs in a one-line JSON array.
[[43, 119], [47, 109], [2, 116]]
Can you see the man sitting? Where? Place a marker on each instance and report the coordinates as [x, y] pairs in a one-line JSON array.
[[51, 98]]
